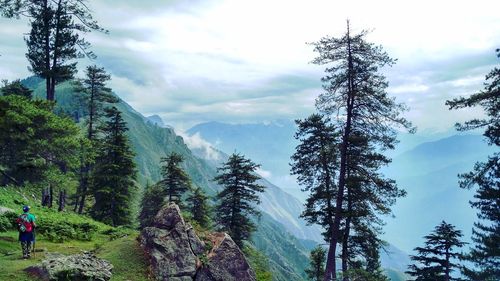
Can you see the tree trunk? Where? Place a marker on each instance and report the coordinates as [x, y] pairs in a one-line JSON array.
[[330, 272], [62, 200], [345, 241], [46, 22], [51, 196]]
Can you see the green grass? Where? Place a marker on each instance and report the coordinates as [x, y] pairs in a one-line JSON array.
[[116, 245]]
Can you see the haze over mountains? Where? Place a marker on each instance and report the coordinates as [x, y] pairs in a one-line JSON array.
[[425, 164]]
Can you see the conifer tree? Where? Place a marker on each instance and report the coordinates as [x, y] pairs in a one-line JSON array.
[[315, 164], [15, 88], [198, 207], [355, 92], [114, 173], [238, 197], [55, 39], [435, 261], [151, 203], [316, 269], [485, 254], [94, 94], [175, 180]]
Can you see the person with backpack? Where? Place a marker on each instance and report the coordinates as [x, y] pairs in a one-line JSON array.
[[26, 226]]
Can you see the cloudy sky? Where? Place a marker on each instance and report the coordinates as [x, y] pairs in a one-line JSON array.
[[248, 61]]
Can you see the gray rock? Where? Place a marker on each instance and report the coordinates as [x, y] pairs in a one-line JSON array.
[[4, 210], [85, 267], [171, 246], [174, 251], [226, 262]]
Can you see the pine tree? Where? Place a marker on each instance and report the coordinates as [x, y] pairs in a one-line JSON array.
[[356, 93], [236, 200], [198, 207], [485, 255], [315, 164], [55, 39], [435, 261], [93, 96], [316, 269], [151, 203], [175, 180], [114, 173], [15, 88]]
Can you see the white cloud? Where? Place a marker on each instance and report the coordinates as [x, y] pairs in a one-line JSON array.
[[196, 142], [264, 173]]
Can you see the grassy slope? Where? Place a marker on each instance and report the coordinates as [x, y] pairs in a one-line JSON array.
[[123, 252]]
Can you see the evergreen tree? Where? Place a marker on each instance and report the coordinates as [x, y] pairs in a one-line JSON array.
[[316, 269], [26, 155], [315, 162], [355, 92], [198, 207], [175, 180], [94, 94], [151, 203], [435, 261], [485, 255], [236, 200], [15, 88], [114, 173], [55, 39]]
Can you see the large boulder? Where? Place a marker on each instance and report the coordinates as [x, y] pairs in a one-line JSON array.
[[172, 246], [225, 262], [83, 267], [176, 252]]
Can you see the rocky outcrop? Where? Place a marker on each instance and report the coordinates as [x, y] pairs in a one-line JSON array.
[[84, 267], [176, 253], [225, 262]]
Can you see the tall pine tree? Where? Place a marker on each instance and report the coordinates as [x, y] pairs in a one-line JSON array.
[[355, 92], [485, 254], [94, 95], [236, 202], [436, 260], [114, 173], [175, 180], [55, 39]]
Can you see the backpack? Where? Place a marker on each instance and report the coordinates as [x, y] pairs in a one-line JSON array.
[[23, 224]]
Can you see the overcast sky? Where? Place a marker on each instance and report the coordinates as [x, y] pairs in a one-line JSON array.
[[248, 61]]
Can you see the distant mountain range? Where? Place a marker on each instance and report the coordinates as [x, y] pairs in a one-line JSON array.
[[425, 164]]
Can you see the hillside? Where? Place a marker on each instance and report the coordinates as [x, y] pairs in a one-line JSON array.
[[151, 142]]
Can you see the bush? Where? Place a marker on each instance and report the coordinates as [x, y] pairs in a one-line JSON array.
[[116, 233], [8, 221], [60, 231]]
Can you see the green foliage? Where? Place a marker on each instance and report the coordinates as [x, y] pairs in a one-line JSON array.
[[315, 164], [235, 201], [59, 230], [114, 173], [151, 203], [38, 145], [7, 221], [199, 208], [316, 269], [15, 88], [175, 180], [259, 263], [93, 96], [435, 261], [485, 254]]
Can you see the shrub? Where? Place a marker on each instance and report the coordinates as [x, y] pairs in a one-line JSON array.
[[8, 221], [60, 231]]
